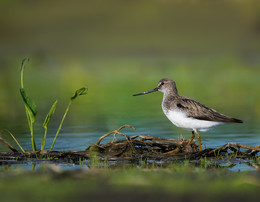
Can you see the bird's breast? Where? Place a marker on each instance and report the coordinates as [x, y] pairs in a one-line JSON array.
[[181, 120]]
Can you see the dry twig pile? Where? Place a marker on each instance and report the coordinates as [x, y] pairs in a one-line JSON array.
[[136, 147]]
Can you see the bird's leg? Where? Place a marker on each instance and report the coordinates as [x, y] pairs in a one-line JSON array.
[[191, 139], [198, 136]]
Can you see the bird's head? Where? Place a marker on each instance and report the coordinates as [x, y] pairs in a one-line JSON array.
[[165, 85]]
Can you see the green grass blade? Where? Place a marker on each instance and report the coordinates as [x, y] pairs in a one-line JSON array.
[[46, 123], [79, 92]]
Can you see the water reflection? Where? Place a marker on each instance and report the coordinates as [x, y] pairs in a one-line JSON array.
[[57, 166]]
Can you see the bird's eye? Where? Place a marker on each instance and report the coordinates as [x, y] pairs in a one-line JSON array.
[[162, 83]]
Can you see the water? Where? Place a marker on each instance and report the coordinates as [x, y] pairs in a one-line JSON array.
[[79, 137], [73, 140], [109, 103], [87, 122]]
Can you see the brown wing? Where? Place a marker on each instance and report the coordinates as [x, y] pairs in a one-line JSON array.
[[199, 111]]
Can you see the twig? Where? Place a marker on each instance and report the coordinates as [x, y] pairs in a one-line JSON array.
[[232, 146], [8, 145], [116, 131], [14, 139], [146, 137]]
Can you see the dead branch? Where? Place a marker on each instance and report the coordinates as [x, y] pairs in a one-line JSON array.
[[8, 145], [132, 149], [116, 132], [235, 147]]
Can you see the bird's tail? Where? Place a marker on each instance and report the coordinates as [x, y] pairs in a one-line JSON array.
[[234, 120]]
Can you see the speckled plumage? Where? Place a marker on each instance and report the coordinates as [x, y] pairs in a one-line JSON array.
[[195, 109], [187, 113]]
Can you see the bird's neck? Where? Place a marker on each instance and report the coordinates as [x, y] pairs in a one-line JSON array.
[[169, 95], [167, 100]]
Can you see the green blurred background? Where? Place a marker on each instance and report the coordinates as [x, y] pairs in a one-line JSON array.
[[117, 48]]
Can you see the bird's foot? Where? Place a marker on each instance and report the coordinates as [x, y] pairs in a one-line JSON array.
[[191, 139]]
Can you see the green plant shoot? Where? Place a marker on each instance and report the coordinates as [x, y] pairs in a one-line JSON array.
[[30, 107], [31, 110], [46, 122], [24, 61], [79, 92]]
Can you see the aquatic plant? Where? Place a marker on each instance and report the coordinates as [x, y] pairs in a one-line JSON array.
[[79, 92], [31, 111], [46, 122], [30, 107]]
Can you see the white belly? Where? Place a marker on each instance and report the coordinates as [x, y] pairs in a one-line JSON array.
[[181, 120]]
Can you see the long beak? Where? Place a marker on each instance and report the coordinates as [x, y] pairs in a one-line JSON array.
[[146, 92]]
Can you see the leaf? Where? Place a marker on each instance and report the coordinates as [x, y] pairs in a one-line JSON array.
[[49, 115], [79, 92], [29, 105]]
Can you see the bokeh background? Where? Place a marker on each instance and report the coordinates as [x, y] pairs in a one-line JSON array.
[[117, 48]]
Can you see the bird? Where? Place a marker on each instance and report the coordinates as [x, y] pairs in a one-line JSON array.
[[187, 113]]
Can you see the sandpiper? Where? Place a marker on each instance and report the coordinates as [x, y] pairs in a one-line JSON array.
[[186, 113]]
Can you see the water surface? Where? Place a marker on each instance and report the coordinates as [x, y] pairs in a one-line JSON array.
[[109, 103]]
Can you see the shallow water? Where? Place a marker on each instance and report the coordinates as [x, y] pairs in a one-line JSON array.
[[109, 103], [81, 136], [81, 130]]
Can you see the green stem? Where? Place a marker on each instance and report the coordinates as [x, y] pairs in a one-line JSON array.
[[22, 79], [31, 129], [58, 131], [32, 138], [44, 139]]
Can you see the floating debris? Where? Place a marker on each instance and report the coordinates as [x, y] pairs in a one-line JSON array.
[[132, 149], [159, 148]]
